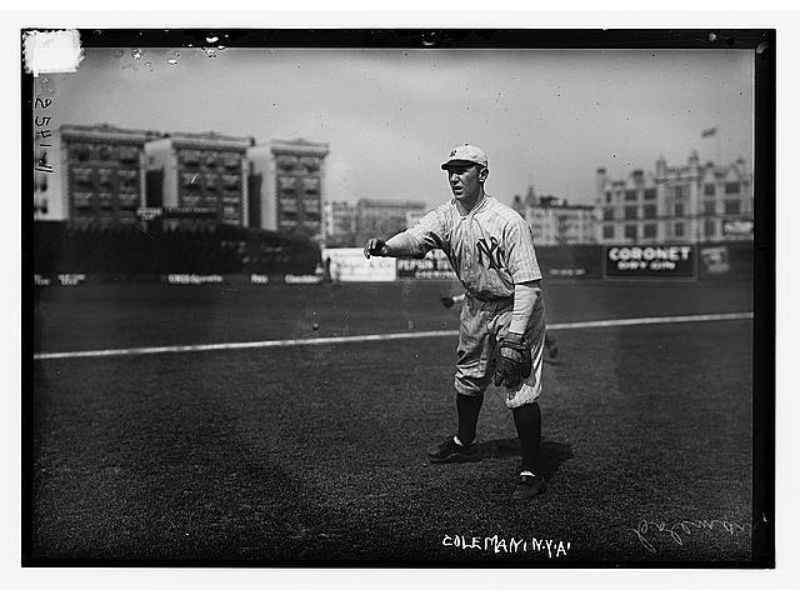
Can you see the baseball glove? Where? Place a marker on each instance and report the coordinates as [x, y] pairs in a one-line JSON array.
[[513, 361], [447, 301]]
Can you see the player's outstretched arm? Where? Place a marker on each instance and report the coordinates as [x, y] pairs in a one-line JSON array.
[[401, 244]]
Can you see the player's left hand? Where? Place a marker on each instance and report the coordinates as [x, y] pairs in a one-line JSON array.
[[513, 361]]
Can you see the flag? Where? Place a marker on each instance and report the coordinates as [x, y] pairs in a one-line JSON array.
[[708, 132]]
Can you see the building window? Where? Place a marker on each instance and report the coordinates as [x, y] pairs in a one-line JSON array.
[[649, 231], [212, 182], [631, 212], [608, 214], [732, 207], [83, 177], [231, 162], [128, 201], [679, 210], [630, 195], [650, 194], [608, 232], [287, 185], [190, 181], [311, 163], [104, 179], [190, 158], [191, 201], [710, 228], [709, 207], [608, 197], [83, 152], [630, 231], [679, 230], [678, 192], [105, 201], [129, 154], [650, 211], [732, 188], [230, 182], [82, 199], [286, 162], [105, 153], [311, 185], [288, 204], [709, 189]]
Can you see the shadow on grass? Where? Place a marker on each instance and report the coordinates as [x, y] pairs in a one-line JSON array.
[[551, 454]]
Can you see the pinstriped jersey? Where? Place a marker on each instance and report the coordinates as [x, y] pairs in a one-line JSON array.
[[490, 248]]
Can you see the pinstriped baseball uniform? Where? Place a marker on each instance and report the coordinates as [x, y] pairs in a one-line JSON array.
[[490, 249]]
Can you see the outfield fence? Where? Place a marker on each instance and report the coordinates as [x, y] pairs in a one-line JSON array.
[[68, 255]]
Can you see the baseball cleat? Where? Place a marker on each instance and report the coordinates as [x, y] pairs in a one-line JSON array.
[[553, 351], [450, 452], [528, 486]]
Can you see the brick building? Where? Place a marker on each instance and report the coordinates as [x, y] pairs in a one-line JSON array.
[[288, 186], [682, 204], [554, 221], [339, 219], [97, 175], [382, 218], [198, 178]]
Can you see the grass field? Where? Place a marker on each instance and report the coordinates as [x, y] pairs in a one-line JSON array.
[[317, 453]]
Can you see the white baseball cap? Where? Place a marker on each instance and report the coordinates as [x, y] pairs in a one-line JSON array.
[[466, 153]]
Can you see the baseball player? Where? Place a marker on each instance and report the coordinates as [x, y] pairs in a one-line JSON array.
[[502, 329], [550, 342]]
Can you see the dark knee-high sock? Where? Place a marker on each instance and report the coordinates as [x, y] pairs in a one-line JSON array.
[[528, 419], [468, 409]]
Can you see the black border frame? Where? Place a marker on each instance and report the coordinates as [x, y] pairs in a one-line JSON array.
[[763, 44]]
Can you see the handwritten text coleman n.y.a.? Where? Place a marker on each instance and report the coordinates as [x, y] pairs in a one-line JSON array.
[[508, 545]]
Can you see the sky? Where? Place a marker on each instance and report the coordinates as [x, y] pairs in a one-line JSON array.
[[547, 118]]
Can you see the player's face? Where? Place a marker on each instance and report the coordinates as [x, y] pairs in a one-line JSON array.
[[466, 181]]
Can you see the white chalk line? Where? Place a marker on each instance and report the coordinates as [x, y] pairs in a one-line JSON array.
[[409, 335]]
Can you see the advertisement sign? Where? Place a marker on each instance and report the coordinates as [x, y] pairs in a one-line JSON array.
[[349, 264], [147, 213], [650, 261], [568, 272], [737, 228], [715, 260], [189, 212], [435, 265]]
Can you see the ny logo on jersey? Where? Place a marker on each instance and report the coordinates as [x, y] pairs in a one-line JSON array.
[[492, 253]]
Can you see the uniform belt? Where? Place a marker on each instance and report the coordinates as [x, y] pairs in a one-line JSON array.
[[494, 300]]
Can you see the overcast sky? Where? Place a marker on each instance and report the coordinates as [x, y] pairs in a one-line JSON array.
[[545, 117]]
